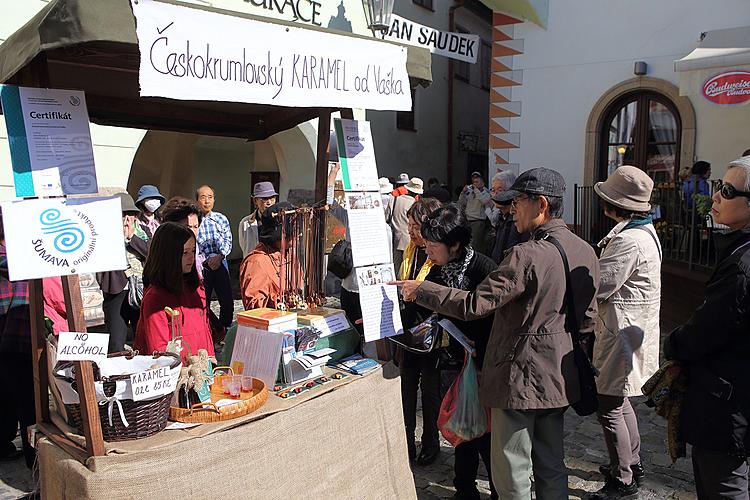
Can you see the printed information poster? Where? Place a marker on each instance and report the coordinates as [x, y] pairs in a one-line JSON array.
[[58, 237], [381, 316], [50, 141], [357, 155]]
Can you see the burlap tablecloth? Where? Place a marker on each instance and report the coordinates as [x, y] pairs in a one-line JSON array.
[[348, 442]]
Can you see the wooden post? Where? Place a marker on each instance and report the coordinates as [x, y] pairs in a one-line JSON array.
[[321, 162], [39, 351], [92, 428]]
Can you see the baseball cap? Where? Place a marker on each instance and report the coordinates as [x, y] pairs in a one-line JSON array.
[[537, 181], [476, 174], [402, 178]]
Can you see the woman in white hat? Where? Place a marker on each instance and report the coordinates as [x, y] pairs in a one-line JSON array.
[[626, 350]]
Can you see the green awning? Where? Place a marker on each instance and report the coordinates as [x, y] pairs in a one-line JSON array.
[[91, 45]]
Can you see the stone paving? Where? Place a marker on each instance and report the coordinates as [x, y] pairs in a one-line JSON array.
[[584, 453]]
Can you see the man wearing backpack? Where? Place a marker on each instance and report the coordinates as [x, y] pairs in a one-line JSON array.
[[529, 375]]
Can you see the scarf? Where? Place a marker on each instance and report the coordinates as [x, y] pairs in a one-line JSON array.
[[410, 253], [639, 222], [454, 272]]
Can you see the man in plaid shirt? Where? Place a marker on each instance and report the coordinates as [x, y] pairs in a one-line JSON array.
[[15, 358], [214, 244]]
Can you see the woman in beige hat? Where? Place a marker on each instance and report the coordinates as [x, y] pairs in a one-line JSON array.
[[626, 350]]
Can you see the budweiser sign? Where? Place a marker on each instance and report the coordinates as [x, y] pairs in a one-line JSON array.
[[730, 88]]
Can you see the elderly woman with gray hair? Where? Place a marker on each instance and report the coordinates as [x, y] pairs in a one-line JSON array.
[[626, 350], [714, 347]]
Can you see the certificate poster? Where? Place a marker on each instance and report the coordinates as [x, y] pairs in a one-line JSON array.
[[50, 141], [56, 237], [357, 155], [381, 316]]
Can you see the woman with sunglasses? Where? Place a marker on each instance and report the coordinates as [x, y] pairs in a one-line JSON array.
[[626, 350], [714, 347], [456, 264]]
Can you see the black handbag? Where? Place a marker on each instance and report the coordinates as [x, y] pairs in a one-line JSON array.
[[422, 338], [340, 261], [589, 401]]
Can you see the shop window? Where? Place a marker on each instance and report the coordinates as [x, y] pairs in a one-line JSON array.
[[462, 70], [641, 129], [405, 119], [485, 59], [427, 4]]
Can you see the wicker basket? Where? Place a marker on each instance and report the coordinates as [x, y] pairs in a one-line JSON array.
[[202, 413], [144, 418]]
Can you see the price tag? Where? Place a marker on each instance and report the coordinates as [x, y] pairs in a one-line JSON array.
[[152, 383], [76, 346]]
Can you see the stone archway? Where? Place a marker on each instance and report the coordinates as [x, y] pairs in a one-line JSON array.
[[669, 90]]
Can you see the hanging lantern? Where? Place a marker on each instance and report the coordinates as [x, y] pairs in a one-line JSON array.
[[379, 15]]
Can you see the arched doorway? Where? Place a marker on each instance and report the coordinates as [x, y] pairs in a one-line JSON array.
[[643, 129], [642, 90], [178, 163]]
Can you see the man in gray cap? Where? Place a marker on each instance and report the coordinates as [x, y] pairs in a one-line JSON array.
[[264, 195], [529, 376]]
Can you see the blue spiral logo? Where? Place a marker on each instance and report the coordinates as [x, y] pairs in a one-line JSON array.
[[69, 237]]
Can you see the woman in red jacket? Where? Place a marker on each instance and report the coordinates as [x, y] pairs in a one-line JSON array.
[[171, 280]]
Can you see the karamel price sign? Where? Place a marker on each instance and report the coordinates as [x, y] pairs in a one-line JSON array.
[[153, 383]]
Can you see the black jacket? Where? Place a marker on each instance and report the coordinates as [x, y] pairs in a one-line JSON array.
[[714, 346], [477, 330]]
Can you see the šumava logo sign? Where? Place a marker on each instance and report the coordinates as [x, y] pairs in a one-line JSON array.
[[729, 88], [65, 242]]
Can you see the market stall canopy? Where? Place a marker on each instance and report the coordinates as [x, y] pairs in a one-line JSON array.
[[727, 49], [91, 45], [535, 11]]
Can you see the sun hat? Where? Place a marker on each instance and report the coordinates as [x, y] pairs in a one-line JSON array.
[[538, 181], [264, 189], [149, 191], [628, 188], [385, 185], [127, 204], [415, 185], [402, 178]]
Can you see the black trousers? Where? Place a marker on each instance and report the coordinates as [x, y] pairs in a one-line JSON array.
[[352, 309], [219, 282], [719, 476], [420, 371], [17, 408], [466, 463], [118, 315]]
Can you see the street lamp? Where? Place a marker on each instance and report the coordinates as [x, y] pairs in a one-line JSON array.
[[379, 15]]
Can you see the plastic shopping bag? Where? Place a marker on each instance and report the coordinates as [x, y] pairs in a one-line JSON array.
[[462, 417]]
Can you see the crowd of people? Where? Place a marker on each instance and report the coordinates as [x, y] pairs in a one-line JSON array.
[[504, 266]]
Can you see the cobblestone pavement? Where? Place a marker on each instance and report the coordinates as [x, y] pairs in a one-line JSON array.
[[584, 453]]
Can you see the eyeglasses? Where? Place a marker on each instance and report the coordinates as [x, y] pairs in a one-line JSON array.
[[514, 201], [729, 192]]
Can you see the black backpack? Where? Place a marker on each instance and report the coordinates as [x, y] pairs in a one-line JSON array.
[[340, 261]]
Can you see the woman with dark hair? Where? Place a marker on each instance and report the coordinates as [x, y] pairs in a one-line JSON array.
[[447, 238], [171, 280], [419, 371]]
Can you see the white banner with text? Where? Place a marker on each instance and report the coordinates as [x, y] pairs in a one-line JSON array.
[[193, 54], [461, 46]]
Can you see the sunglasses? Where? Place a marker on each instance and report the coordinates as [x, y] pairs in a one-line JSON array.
[[729, 192]]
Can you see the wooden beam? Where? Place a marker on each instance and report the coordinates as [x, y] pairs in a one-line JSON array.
[[92, 427], [57, 437], [321, 162], [39, 351]]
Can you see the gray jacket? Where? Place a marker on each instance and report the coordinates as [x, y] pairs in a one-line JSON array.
[[529, 361]]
